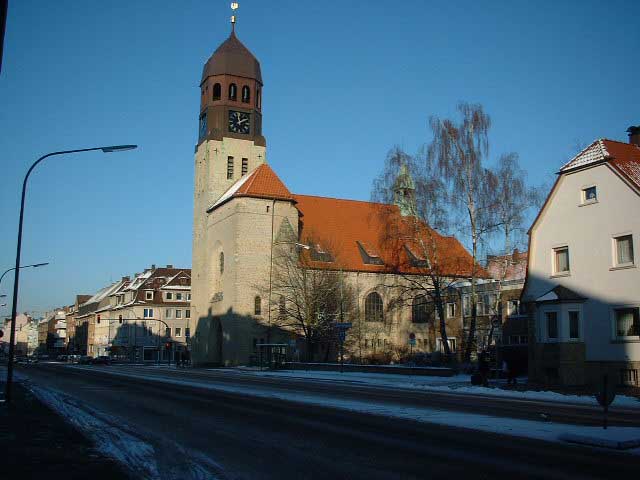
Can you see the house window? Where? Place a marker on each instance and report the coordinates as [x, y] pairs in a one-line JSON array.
[[188, 297], [282, 306], [217, 91], [187, 314], [574, 325], [513, 307], [373, 308], [466, 306], [245, 166], [561, 260], [258, 99], [552, 325], [627, 322], [229, 168], [178, 313], [178, 296], [624, 250], [221, 263], [420, 310], [451, 310], [168, 313], [257, 306], [233, 92], [148, 295], [589, 195], [148, 313], [450, 341], [246, 94], [169, 296], [178, 331]]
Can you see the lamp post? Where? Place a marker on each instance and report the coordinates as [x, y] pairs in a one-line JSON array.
[[107, 149]]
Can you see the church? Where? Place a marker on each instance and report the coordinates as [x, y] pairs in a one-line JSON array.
[[242, 208]]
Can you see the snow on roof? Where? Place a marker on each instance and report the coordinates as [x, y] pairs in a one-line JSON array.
[[229, 193], [102, 293], [595, 152]]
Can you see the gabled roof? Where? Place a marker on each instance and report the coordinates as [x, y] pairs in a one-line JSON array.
[[560, 294], [623, 157], [349, 227], [261, 183]]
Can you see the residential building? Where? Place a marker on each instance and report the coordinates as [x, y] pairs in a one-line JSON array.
[[22, 332], [583, 281]]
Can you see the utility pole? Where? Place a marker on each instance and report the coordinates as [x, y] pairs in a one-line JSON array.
[[4, 8]]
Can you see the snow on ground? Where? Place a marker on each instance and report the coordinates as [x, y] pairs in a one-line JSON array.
[[115, 439], [457, 384], [547, 431]]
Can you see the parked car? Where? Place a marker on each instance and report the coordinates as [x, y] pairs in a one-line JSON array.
[[102, 360], [61, 358], [85, 360]]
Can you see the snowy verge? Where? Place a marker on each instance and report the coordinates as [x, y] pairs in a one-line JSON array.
[[547, 431], [115, 439], [459, 384]]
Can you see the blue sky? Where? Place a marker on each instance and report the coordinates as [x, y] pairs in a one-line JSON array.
[[344, 82]]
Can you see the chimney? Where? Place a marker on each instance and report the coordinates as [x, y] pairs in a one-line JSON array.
[[125, 279], [634, 135], [153, 266], [169, 265]]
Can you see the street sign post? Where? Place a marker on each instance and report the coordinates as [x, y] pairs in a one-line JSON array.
[[342, 328], [605, 396]]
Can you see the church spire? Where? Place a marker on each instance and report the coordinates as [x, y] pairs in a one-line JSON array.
[[404, 192]]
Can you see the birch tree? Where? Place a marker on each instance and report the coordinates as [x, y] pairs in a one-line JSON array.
[[425, 266], [459, 149]]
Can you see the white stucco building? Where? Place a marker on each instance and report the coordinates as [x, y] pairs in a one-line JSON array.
[[583, 280]]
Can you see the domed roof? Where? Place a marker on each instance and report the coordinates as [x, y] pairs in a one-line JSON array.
[[232, 58]]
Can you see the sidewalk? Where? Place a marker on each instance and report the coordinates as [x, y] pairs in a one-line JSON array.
[[35, 442]]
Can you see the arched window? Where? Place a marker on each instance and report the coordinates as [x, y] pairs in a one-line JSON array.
[[373, 308], [233, 91], [419, 310], [257, 307], [221, 263], [246, 94], [217, 91], [282, 306], [258, 98]]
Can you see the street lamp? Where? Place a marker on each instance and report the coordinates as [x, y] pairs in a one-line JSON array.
[[107, 149], [35, 265]]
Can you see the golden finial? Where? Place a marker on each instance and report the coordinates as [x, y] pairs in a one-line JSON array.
[[234, 7]]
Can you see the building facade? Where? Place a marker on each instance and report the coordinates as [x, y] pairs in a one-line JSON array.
[[583, 284], [243, 212]]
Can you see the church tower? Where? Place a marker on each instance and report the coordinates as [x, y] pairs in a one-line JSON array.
[[230, 149]]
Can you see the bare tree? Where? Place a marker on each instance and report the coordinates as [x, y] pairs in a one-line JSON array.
[[425, 263], [309, 291], [459, 150]]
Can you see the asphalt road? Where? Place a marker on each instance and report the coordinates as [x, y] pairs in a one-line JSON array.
[[253, 437]]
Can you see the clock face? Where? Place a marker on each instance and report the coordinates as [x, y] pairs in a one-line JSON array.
[[239, 122]]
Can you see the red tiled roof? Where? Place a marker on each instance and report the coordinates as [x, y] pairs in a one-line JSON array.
[[624, 157], [516, 266], [340, 225], [261, 183]]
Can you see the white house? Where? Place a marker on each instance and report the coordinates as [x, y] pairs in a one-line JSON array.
[[583, 280]]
